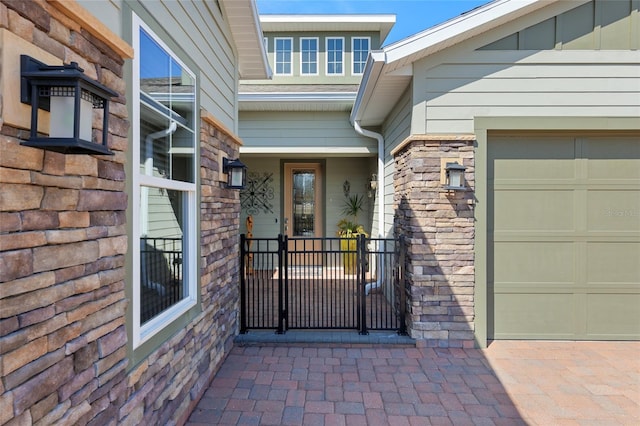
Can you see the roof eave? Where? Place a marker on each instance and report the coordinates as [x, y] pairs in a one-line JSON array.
[[460, 28], [403, 53], [372, 71], [381, 23], [244, 23]]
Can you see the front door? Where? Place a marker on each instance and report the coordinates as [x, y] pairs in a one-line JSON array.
[[303, 210]]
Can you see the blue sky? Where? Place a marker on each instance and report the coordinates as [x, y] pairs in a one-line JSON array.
[[412, 16]]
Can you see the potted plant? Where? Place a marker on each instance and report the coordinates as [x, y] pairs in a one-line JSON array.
[[348, 231]]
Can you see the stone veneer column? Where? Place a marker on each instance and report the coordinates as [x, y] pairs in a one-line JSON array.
[[439, 227]]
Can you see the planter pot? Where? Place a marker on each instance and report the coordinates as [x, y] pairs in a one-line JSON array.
[[350, 256]]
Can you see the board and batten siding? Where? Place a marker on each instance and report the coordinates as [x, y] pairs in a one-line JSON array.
[[305, 132], [527, 83], [196, 30], [396, 129]]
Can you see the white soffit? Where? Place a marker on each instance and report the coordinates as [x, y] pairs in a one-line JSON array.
[[242, 16], [340, 23]]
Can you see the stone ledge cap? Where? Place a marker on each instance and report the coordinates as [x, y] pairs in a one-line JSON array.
[[432, 137], [212, 120], [93, 26]]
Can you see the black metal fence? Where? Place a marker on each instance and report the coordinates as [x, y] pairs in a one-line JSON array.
[[322, 283], [160, 275]]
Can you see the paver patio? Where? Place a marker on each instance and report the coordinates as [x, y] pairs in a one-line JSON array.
[[510, 383]]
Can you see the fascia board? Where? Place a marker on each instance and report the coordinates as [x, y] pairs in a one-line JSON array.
[[373, 19], [365, 22]]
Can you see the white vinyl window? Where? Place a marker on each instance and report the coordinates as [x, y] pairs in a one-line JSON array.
[[309, 56], [335, 55], [360, 47], [284, 55], [164, 185]]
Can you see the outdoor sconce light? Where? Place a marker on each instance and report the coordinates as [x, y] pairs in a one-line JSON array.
[[70, 97], [236, 173], [455, 177], [373, 182], [372, 185]]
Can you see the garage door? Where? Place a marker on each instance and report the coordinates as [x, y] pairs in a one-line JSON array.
[[564, 237]]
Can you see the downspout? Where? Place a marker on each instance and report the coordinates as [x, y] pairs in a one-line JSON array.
[[379, 193]]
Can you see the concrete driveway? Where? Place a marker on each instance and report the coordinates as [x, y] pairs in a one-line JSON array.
[[510, 383]]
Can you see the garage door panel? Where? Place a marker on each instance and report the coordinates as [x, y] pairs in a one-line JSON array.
[[613, 263], [547, 147], [564, 237], [509, 169], [529, 210], [610, 210], [613, 315], [541, 262], [612, 158], [534, 315], [625, 170], [552, 159]]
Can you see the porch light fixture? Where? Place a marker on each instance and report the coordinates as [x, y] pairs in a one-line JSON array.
[[372, 185], [455, 177], [373, 182], [236, 173], [70, 97]]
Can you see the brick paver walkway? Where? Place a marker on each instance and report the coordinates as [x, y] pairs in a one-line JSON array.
[[510, 383]]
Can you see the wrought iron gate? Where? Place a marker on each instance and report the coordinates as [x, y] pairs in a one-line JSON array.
[[322, 283]]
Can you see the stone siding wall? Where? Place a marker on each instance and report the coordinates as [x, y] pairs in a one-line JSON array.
[[439, 230], [63, 242]]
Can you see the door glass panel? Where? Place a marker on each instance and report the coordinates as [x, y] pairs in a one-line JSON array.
[[304, 203]]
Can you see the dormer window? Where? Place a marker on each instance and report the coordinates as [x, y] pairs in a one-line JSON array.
[[309, 56], [283, 49], [360, 47], [335, 55]]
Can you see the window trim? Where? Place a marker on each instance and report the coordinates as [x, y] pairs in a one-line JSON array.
[[143, 333], [275, 56], [317, 39], [353, 54], [327, 56]]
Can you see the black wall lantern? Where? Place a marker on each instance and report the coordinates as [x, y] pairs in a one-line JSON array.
[[455, 177], [236, 173], [70, 97]]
